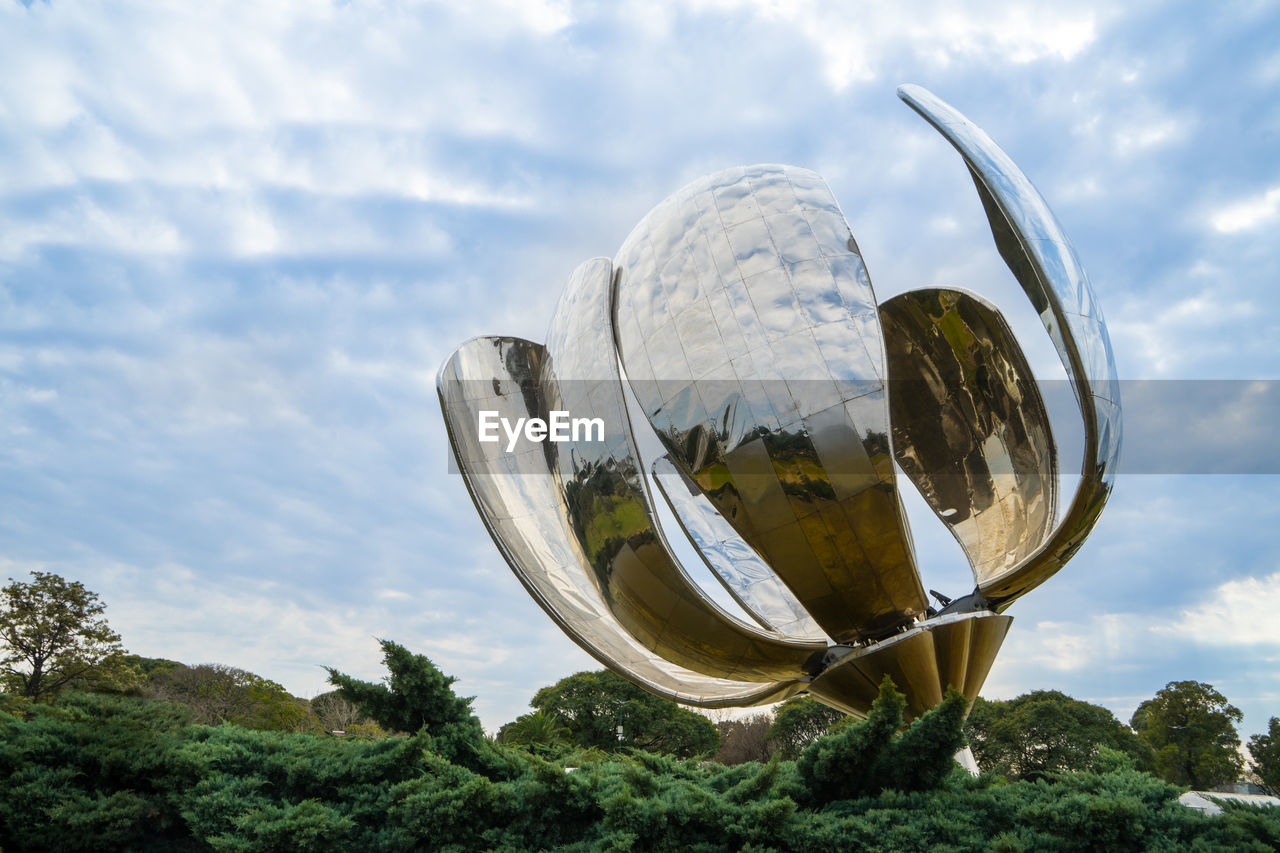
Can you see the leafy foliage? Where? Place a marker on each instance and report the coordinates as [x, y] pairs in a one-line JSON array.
[[1192, 729], [745, 739], [416, 697], [217, 693], [593, 705], [1265, 751], [108, 773], [866, 757], [416, 694], [799, 722], [149, 668], [52, 633], [1046, 731], [96, 772], [92, 772], [539, 728]]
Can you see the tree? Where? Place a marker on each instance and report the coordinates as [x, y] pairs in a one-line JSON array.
[[538, 728], [1046, 731], [800, 721], [150, 668], [1265, 752], [415, 695], [335, 712], [217, 694], [865, 757], [1192, 729], [593, 705], [745, 739], [52, 633]]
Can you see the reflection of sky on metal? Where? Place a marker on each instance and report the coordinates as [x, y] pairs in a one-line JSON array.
[[747, 577], [748, 330], [573, 519], [1043, 261], [527, 518], [753, 344]]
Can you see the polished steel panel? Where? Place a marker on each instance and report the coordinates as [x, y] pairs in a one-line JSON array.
[[594, 491], [744, 574], [526, 517], [747, 327], [955, 650], [1043, 261], [969, 426], [640, 579]]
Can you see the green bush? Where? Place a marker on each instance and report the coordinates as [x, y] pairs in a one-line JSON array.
[[109, 773], [867, 757]]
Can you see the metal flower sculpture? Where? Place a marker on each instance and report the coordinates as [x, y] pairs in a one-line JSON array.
[[747, 330]]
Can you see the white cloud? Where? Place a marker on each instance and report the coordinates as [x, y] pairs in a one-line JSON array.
[[176, 69], [1240, 612], [254, 232], [247, 100], [544, 17], [1247, 213], [857, 42], [1171, 340], [1149, 134], [1268, 70], [137, 228], [256, 623], [1064, 646]]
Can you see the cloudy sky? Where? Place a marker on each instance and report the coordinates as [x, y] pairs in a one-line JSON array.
[[237, 240]]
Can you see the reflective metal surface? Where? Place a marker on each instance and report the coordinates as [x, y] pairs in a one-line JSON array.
[[782, 393], [956, 650], [573, 518], [744, 574], [1042, 259], [747, 328], [969, 426]]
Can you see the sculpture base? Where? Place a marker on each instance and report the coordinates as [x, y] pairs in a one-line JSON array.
[[955, 650]]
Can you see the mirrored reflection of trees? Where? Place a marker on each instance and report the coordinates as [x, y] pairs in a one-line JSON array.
[[606, 511]]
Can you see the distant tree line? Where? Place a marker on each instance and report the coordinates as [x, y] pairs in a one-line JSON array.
[[54, 635], [129, 753]]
